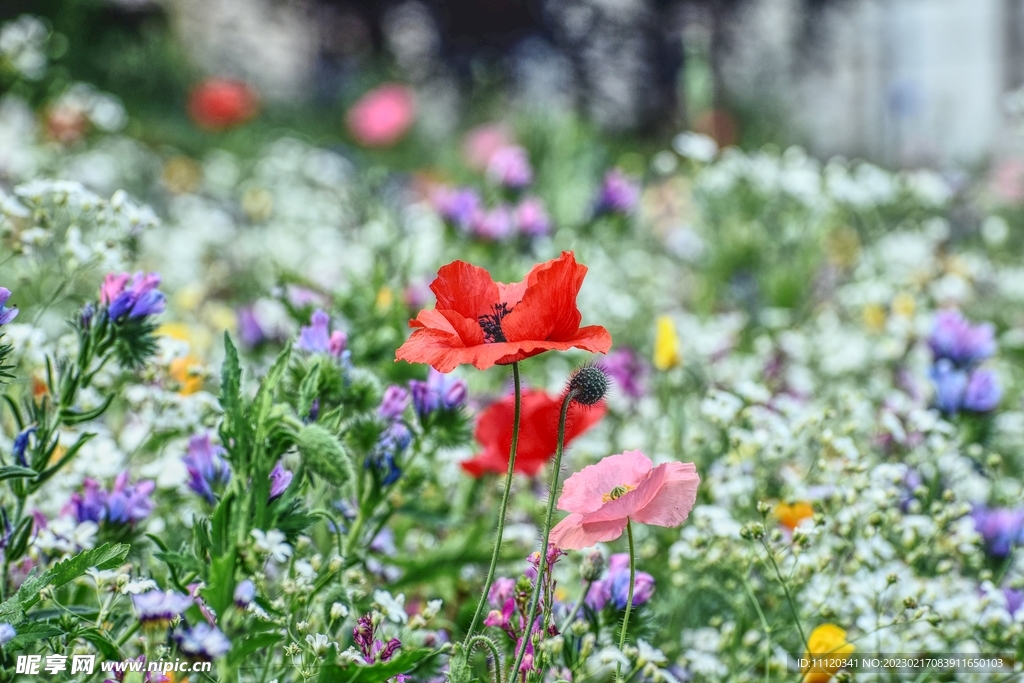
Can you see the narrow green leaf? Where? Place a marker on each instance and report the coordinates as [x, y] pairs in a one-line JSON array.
[[16, 472]]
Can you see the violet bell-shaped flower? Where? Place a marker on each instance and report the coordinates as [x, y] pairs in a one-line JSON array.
[[132, 296]]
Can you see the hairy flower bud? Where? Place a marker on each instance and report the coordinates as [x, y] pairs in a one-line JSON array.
[[592, 565], [588, 385]]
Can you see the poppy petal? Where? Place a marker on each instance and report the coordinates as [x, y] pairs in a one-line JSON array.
[[582, 492], [672, 504], [572, 533], [466, 289], [630, 502], [548, 310]]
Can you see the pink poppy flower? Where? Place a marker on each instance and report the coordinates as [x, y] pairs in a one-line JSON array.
[[382, 116], [603, 497]]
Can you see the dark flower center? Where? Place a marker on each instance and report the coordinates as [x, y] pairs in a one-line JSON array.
[[491, 323]]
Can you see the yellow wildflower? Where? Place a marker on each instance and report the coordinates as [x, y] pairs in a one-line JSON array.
[[666, 344], [827, 642]]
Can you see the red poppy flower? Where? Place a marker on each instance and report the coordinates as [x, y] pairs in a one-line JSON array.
[[538, 433], [218, 103], [486, 323]]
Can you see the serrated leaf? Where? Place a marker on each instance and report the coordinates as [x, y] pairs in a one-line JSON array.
[[324, 455], [30, 632], [230, 378], [107, 556]]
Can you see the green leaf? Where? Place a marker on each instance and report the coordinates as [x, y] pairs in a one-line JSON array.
[[72, 417], [324, 455], [219, 592], [264, 397], [251, 644], [230, 379], [308, 389], [64, 459], [16, 472], [107, 647], [30, 632], [403, 663], [107, 556]]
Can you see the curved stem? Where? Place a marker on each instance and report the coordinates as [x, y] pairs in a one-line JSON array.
[[543, 564], [504, 505], [494, 653], [629, 596]]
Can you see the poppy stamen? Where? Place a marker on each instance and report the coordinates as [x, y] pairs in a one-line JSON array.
[[491, 323]]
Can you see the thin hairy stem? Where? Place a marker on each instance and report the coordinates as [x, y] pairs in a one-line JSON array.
[[543, 564], [504, 506], [629, 594]]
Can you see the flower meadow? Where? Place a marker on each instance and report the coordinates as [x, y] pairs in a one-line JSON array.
[[532, 408]]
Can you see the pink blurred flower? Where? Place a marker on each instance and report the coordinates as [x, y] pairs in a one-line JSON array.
[[482, 142], [625, 487], [382, 116], [510, 166], [1008, 180]]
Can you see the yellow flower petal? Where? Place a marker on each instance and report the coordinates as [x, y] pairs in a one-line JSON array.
[[666, 344]]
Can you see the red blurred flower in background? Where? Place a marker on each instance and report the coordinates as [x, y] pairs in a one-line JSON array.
[[221, 103], [382, 116], [538, 434], [487, 323]]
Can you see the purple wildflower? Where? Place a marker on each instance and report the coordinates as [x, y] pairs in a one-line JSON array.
[[458, 206], [280, 479], [382, 652], [439, 392], [317, 338], [394, 402], [502, 590], [129, 503], [1001, 528], [983, 391], [158, 608], [132, 296], [531, 218], [7, 314], [89, 504], [950, 385], [206, 467], [250, 331], [395, 439], [501, 618], [21, 445], [245, 593], [494, 225], [202, 641], [7, 633], [627, 369], [619, 194], [1014, 600], [615, 588], [362, 636], [510, 167], [954, 338]]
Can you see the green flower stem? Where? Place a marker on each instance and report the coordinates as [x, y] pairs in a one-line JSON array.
[[629, 595], [576, 607], [504, 505], [543, 564], [789, 594]]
